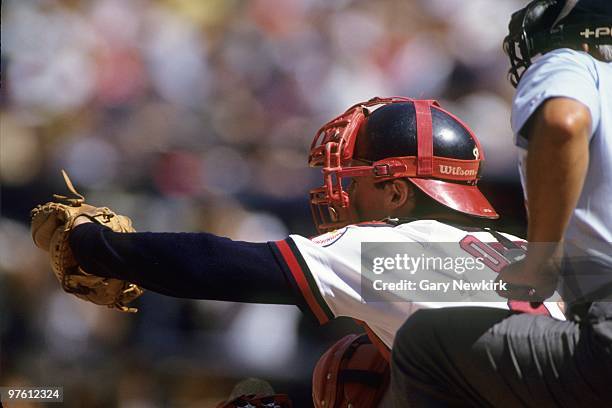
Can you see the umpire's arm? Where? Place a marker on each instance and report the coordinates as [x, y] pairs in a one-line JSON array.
[[558, 134], [557, 160]]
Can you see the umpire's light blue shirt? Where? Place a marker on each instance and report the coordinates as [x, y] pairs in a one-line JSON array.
[[577, 75]]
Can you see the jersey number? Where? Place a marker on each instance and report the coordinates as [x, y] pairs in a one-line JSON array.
[[492, 255]]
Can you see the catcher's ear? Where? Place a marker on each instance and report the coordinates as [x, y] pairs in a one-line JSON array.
[[399, 196]]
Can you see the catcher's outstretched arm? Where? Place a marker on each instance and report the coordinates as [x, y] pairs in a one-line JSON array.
[[188, 265]]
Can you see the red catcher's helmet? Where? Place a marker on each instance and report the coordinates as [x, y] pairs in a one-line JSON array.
[[399, 137]]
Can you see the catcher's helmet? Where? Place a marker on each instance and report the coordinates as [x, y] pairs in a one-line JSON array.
[[545, 25], [398, 137]]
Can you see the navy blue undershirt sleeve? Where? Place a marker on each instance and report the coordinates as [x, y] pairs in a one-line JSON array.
[[187, 265]]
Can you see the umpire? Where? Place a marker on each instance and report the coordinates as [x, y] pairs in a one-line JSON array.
[[562, 118]]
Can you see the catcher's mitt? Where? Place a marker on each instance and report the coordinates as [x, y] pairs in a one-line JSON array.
[[51, 226]]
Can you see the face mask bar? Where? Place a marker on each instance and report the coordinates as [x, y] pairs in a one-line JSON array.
[[327, 215], [515, 46]]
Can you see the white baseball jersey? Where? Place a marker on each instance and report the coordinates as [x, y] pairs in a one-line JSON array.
[[328, 271], [577, 75]]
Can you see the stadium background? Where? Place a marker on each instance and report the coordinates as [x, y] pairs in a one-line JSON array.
[[197, 116]]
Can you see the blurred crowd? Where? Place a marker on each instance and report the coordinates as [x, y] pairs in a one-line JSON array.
[[197, 116]]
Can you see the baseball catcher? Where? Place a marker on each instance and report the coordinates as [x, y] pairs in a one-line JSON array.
[[394, 170]]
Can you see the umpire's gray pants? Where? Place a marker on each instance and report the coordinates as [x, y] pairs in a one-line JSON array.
[[472, 356]]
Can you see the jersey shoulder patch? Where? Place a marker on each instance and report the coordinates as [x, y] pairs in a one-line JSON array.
[[329, 238]]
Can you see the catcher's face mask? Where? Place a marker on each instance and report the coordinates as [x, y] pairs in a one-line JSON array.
[[333, 149]]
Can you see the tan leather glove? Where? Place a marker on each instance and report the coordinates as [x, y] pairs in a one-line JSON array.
[[51, 226]]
